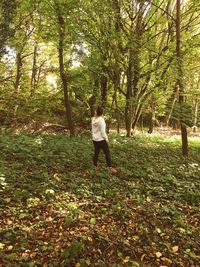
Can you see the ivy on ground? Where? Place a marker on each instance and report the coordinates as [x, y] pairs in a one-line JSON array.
[[56, 210]]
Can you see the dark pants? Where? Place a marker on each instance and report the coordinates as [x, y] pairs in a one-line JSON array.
[[104, 146]]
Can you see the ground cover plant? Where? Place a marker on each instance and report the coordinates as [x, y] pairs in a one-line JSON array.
[[55, 210]]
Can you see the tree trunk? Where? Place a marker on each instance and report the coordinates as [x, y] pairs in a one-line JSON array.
[[142, 123], [171, 103], [152, 121], [92, 101], [17, 80], [104, 85], [34, 71], [93, 98], [19, 72], [116, 88], [129, 94], [196, 108], [129, 97], [39, 73], [117, 50], [133, 108], [180, 80], [61, 25]]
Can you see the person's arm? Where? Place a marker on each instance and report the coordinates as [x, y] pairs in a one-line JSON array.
[[103, 129]]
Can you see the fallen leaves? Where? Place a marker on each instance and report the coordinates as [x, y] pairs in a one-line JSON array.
[[175, 249], [158, 254], [2, 245], [141, 214], [167, 261], [57, 177], [8, 200], [90, 239], [142, 257]]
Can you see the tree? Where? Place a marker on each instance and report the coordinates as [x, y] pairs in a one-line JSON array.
[[122, 54], [7, 27], [61, 39], [180, 79]]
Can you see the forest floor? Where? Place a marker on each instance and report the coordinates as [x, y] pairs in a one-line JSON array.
[[35, 127], [56, 210]]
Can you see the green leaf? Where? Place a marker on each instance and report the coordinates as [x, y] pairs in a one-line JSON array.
[[23, 215], [93, 221]]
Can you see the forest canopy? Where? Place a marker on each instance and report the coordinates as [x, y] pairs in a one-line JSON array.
[[62, 58]]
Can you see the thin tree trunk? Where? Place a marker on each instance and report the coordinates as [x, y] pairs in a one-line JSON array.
[[92, 101], [129, 94], [180, 80], [152, 120], [196, 108], [128, 114], [39, 73], [17, 80], [171, 104], [34, 71], [137, 116], [142, 123], [116, 88], [118, 50], [104, 88], [18, 73], [93, 98], [61, 25]]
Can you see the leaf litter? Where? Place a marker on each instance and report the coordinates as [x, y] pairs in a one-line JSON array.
[[57, 211]]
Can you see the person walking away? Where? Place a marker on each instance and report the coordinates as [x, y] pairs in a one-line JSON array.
[[100, 139]]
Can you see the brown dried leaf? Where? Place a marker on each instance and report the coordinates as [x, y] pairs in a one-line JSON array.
[[175, 249]]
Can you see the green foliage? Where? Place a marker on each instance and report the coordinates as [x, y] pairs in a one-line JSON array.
[[62, 212], [72, 252], [73, 213], [184, 113], [101, 42], [7, 12]]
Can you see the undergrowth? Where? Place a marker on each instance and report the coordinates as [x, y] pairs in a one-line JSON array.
[[56, 210]]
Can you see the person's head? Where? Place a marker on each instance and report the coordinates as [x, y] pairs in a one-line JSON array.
[[99, 110]]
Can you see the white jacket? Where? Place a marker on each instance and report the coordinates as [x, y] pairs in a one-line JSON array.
[[99, 129]]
